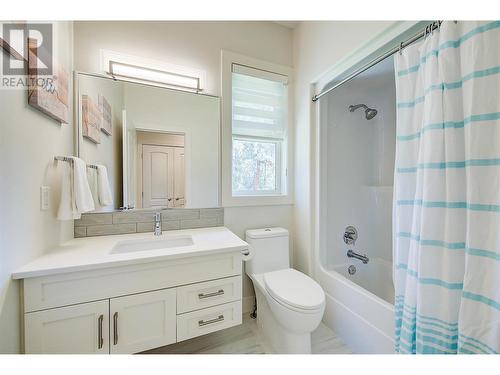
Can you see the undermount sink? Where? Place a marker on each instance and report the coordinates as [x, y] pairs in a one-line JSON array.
[[145, 244]]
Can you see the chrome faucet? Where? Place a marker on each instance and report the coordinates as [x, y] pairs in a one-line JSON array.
[[352, 254], [158, 224]]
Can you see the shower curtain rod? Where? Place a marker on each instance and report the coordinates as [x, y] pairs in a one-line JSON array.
[[429, 28]]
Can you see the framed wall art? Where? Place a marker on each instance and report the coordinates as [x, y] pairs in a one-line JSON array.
[[47, 93], [91, 119], [107, 116]]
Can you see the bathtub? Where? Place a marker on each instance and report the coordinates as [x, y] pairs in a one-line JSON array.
[[360, 307]]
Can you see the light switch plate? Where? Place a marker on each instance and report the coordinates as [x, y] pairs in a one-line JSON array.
[[44, 198]]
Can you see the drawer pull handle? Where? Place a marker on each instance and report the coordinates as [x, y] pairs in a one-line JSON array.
[[101, 340], [202, 323], [220, 292], [115, 328]]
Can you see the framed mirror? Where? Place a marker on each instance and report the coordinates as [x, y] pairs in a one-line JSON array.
[[161, 147]]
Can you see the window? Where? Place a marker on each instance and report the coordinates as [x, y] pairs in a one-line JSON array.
[[259, 117], [256, 166]]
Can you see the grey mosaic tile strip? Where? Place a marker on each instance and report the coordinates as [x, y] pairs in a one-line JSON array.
[[179, 214], [165, 225], [94, 219], [80, 232], [102, 224], [108, 229], [211, 212], [199, 223], [133, 217]]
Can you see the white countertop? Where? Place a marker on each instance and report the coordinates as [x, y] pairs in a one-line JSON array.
[[89, 253]]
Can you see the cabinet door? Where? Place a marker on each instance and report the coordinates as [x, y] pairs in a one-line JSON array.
[[78, 329], [143, 321]]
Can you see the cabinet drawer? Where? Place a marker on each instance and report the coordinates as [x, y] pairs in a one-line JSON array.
[[207, 294], [201, 322]]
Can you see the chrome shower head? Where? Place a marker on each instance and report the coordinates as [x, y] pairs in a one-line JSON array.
[[369, 112]]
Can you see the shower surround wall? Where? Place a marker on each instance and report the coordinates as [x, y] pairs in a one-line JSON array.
[[360, 167], [356, 177]]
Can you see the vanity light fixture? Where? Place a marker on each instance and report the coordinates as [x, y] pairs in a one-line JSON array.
[[154, 76]]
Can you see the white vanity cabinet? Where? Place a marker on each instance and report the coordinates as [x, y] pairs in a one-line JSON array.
[[132, 308]]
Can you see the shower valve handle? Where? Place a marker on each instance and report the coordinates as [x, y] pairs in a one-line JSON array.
[[350, 235]]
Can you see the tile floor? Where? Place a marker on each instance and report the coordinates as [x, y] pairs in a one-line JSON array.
[[246, 339]]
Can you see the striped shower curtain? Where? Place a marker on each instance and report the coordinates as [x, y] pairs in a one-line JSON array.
[[447, 192]]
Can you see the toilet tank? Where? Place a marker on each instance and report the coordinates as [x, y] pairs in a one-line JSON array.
[[271, 251]]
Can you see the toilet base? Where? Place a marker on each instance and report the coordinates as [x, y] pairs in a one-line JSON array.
[[282, 340]]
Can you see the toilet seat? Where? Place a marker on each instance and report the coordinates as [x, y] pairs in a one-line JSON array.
[[294, 289]]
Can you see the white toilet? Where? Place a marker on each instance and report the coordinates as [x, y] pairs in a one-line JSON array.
[[290, 305]]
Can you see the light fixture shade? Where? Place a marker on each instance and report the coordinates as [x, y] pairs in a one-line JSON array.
[[154, 76]]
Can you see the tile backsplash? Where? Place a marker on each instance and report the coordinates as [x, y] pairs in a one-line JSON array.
[[123, 222]]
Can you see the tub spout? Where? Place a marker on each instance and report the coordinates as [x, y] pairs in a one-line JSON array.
[[352, 254]]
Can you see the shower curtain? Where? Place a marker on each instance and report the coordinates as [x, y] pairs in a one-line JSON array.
[[447, 192]]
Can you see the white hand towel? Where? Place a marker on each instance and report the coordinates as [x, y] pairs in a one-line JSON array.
[[67, 207], [103, 189], [81, 189]]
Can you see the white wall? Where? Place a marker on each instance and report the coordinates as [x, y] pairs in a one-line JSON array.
[[195, 45], [29, 140], [317, 46]]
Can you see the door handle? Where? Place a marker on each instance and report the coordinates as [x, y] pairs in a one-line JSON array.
[[115, 328], [99, 327]]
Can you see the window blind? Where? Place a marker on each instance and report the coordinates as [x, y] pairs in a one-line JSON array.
[[259, 103]]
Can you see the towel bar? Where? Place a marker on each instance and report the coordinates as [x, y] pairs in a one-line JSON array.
[[63, 158], [69, 160]]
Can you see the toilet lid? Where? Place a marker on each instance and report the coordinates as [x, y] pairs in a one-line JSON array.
[[294, 289]]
